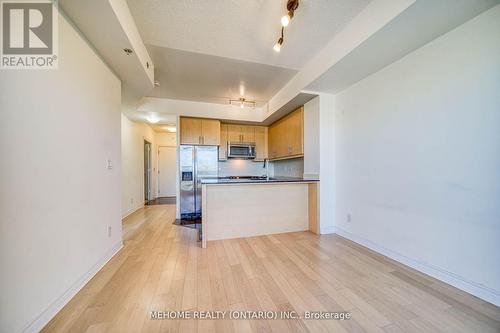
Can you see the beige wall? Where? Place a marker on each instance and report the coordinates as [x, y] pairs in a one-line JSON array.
[[58, 128], [166, 139], [133, 135]]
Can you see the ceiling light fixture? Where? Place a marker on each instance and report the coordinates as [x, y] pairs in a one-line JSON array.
[[277, 46], [242, 102], [291, 6], [172, 129], [152, 119]]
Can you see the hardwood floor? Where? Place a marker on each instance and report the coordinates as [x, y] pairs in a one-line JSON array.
[[163, 268]]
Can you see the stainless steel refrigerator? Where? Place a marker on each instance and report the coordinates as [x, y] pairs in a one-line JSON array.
[[196, 162]]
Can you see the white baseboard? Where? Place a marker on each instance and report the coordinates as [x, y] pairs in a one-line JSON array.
[[132, 210], [327, 230], [473, 288], [43, 318]]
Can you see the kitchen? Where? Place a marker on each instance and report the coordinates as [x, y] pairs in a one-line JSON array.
[[229, 169], [341, 156]]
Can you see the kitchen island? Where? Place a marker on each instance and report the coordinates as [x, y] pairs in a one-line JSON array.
[[246, 207]]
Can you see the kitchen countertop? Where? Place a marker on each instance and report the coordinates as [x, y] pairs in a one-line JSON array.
[[226, 180]]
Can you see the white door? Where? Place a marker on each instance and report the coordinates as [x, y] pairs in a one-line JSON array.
[[166, 171]]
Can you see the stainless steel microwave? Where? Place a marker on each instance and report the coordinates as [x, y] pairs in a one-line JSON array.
[[241, 150]]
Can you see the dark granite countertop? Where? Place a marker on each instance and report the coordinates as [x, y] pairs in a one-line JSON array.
[[255, 180]]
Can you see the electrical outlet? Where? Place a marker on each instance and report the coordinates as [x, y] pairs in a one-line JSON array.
[[348, 218], [109, 231]]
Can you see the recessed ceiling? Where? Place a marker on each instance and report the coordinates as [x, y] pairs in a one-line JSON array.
[[421, 23], [243, 29], [205, 78]]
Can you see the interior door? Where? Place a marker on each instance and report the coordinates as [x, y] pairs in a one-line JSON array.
[[166, 171]]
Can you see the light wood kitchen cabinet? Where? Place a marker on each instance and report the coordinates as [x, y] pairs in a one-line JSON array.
[[210, 132], [244, 133], [233, 133], [247, 133], [190, 131], [223, 142], [260, 143], [240, 133], [286, 136], [196, 131], [295, 133]]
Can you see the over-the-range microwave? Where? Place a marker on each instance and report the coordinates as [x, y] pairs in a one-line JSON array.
[[241, 150]]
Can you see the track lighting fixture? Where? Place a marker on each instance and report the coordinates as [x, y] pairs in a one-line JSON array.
[[242, 102], [277, 46], [291, 6]]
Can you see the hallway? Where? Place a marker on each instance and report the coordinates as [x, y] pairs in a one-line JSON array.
[[162, 268]]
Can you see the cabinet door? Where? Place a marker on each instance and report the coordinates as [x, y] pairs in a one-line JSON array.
[[190, 131], [210, 131], [223, 142], [274, 140], [295, 132], [260, 143], [247, 133], [234, 133], [281, 139]]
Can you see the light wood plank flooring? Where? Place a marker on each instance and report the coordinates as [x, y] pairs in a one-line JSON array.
[[162, 267]]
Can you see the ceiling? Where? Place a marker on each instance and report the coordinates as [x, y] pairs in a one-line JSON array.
[[243, 29], [421, 23], [205, 78], [206, 50]]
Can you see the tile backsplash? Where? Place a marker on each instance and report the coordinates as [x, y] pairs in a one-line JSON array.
[[289, 168], [237, 167], [285, 168]]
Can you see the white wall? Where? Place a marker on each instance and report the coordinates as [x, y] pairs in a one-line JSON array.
[[327, 163], [311, 138], [133, 135], [58, 129], [418, 158], [166, 139]]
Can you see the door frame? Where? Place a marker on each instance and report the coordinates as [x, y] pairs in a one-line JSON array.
[[147, 184]]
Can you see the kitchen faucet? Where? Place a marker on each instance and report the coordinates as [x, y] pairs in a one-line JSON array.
[[266, 165]]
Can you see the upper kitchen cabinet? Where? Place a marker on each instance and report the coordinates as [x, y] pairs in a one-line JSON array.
[[260, 143], [196, 131], [286, 136], [223, 142], [240, 133], [210, 132]]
